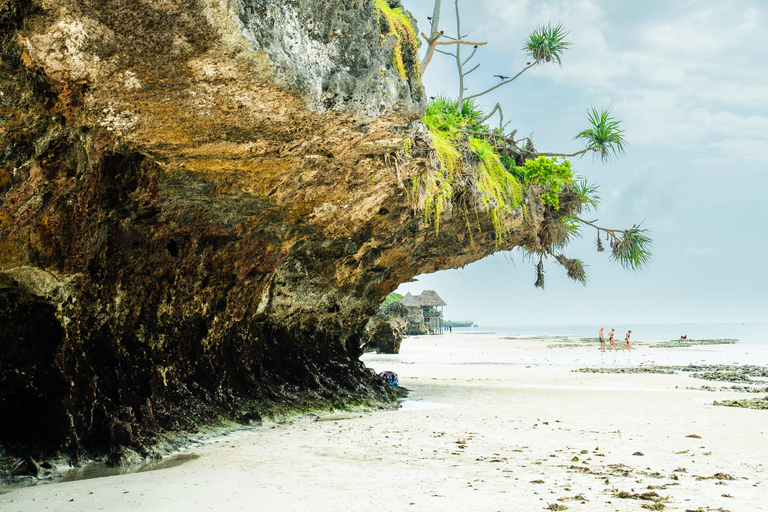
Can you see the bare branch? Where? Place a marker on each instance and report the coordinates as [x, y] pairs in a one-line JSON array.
[[471, 70], [434, 35], [566, 155], [497, 107], [446, 53], [446, 43], [470, 57], [497, 136], [505, 82], [514, 143], [611, 232], [458, 57]]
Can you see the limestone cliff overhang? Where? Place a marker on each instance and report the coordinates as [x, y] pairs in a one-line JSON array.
[[203, 203]]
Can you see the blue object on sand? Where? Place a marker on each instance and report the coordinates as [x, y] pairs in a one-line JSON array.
[[390, 377]]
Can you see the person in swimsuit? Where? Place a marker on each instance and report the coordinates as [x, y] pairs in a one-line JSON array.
[[626, 342], [611, 341], [602, 340]]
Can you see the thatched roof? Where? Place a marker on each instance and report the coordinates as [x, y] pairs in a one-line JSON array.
[[409, 301], [430, 298]]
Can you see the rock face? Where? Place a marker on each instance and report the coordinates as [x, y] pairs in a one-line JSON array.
[[201, 208], [384, 331]]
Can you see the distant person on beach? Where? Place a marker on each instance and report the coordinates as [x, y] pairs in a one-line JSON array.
[[611, 341], [602, 340], [626, 342], [684, 337]]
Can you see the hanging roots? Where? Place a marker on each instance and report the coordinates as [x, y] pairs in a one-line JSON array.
[[574, 267], [539, 274]]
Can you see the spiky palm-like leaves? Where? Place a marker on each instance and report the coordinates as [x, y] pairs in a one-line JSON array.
[[632, 249], [547, 43], [605, 135], [587, 193]]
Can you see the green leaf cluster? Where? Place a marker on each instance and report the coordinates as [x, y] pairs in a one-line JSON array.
[[605, 135], [444, 114], [392, 297], [550, 174], [547, 43], [632, 249]]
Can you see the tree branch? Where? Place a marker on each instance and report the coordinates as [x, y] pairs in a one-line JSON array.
[[566, 155], [471, 70], [446, 43], [497, 107], [470, 57], [489, 134], [611, 232], [435, 34], [505, 82], [458, 58], [514, 147]]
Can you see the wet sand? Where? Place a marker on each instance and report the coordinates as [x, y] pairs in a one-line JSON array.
[[490, 424]]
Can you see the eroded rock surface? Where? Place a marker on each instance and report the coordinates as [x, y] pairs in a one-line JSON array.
[[384, 331], [202, 207]]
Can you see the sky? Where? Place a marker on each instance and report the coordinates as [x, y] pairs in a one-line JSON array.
[[689, 81]]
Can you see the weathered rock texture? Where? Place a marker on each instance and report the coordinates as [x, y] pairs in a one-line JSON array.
[[384, 331], [201, 209]]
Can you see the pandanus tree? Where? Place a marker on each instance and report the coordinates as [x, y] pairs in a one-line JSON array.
[[604, 137]]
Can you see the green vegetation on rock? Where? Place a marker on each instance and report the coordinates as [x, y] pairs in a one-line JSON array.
[[552, 175], [392, 297], [399, 26], [460, 156]]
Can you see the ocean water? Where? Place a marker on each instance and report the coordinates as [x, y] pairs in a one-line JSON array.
[[745, 333], [489, 345]]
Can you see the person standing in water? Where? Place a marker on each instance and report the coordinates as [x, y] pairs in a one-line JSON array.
[[602, 340], [611, 341], [626, 342]]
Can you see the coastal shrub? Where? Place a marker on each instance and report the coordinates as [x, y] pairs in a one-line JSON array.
[[392, 297], [551, 175], [444, 113], [501, 191]]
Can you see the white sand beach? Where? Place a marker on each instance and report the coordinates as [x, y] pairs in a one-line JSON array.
[[490, 424]]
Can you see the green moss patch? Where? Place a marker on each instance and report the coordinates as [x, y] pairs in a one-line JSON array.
[[398, 25]]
